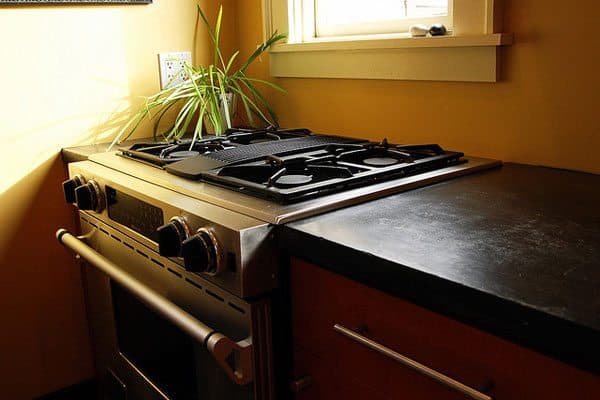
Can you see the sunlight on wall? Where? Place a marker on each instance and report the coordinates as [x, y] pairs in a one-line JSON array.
[[61, 91]]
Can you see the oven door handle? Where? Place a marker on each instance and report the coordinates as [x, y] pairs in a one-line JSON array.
[[233, 357]]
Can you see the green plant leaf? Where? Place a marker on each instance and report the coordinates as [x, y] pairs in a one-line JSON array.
[[263, 102], [213, 33], [204, 93], [253, 107], [236, 89], [159, 117], [267, 83], [231, 61], [275, 37]]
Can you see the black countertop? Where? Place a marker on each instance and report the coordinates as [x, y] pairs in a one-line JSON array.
[[514, 251]]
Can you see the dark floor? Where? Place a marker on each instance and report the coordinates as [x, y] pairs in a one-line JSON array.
[[80, 391]]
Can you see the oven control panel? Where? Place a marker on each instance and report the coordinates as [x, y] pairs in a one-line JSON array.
[[230, 249], [142, 217]]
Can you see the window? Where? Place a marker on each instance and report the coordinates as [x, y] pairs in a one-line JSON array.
[[370, 39], [333, 18]]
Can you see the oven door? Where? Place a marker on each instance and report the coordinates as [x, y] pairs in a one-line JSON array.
[[157, 334]]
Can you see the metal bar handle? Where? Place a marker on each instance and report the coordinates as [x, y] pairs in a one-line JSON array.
[[217, 344], [412, 364]]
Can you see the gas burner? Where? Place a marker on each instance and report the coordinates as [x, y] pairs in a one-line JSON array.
[[293, 180], [160, 154], [184, 150], [383, 154], [332, 168], [285, 173], [380, 161], [183, 154]]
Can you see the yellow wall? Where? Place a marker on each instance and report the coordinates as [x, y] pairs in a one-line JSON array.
[[67, 73], [544, 111]]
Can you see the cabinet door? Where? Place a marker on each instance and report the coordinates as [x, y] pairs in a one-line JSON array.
[[342, 367]]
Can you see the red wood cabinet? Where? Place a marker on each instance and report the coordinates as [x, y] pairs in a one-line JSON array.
[[342, 368]]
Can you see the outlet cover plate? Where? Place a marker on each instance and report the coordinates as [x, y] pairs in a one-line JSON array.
[[171, 66]]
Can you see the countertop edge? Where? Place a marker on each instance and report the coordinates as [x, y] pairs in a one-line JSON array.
[[552, 336]]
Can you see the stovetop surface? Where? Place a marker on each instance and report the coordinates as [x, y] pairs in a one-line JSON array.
[[330, 168], [291, 165], [278, 188]]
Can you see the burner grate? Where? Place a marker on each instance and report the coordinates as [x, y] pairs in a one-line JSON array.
[[280, 147], [193, 168], [330, 169]]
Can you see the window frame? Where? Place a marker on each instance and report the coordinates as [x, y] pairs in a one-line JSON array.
[[312, 33], [469, 53]]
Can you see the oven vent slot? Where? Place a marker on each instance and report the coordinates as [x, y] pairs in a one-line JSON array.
[[104, 231], [85, 219], [116, 238], [174, 272], [141, 253], [92, 224], [236, 308], [157, 262], [128, 245], [216, 296], [193, 283]]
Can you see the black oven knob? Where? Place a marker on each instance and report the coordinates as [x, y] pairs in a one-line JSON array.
[[69, 187], [171, 235], [89, 197], [202, 253]]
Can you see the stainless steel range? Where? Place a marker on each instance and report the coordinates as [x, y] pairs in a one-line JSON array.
[[184, 251]]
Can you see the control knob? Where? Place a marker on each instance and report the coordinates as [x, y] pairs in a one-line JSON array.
[[202, 253], [89, 197], [171, 235], [69, 187]]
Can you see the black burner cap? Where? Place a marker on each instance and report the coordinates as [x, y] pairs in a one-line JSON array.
[[293, 180], [183, 154], [380, 161]]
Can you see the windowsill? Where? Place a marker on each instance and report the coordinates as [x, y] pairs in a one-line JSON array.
[[447, 58], [395, 42]]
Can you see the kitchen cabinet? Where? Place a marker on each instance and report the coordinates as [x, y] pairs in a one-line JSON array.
[[340, 367]]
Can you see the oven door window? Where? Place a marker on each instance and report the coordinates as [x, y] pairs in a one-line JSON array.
[[179, 367]]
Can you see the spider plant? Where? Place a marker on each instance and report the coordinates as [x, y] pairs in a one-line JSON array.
[[207, 94]]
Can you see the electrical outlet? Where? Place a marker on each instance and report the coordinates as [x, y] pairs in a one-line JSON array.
[[171, 67]]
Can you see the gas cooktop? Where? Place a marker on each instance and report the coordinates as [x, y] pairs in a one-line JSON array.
[[280, 175], [331, 168]]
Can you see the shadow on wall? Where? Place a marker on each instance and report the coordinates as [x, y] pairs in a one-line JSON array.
[[44, 343]]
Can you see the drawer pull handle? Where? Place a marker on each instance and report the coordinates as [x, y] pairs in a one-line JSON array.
[[301, 384], [412, 364]]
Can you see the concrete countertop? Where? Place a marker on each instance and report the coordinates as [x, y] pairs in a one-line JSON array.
[[514, 251]]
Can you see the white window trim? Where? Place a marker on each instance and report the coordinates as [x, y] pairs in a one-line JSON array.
[[468, 54]]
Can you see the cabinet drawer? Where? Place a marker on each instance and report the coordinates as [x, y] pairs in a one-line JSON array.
[[322, 299]]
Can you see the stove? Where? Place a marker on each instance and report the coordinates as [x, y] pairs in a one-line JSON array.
[[281, 175], [181, 238]]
